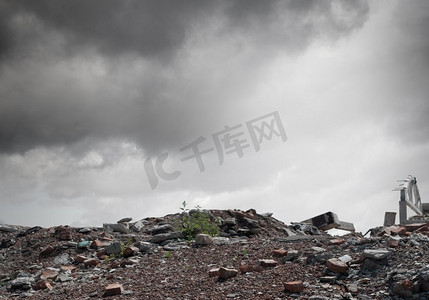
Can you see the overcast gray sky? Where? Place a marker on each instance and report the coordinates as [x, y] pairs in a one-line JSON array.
[[93, 93]]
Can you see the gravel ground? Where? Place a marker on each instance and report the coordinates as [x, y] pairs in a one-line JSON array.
[[182, 272]]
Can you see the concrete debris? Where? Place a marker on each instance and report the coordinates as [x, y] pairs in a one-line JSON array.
[[376, 254], [258, 256], [136, 227], [328, 221]]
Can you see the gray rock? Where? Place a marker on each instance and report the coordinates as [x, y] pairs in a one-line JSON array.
[[161, 229], [217, 240], [251, 222], [159, 238], [318, 249], [203, 239], [376, 254], [124, 220], [7, 229], [289, 232], [243, 232], [345, 258], [84, 230], [322, 257], [63, 259], [352, 288], [330, 279], [403, 289], [113, 248], [173, 246], [291, 255], [21, 283], [138, 225], [267, 214], [230, 222], [116, 227], [63, 277], [145, 247]]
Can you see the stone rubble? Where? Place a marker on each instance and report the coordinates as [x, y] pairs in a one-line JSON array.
[[254, 257]]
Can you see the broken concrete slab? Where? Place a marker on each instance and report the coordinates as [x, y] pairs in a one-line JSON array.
[[324, 221], [389, 218], [328, 221], [347, 226]]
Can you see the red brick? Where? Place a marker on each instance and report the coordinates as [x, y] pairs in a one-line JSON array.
[[294, 286], [68, 268], [337, 266], [246, 269], [393, 243], [225, 273], [214, 272], [80, 258], [90, 262], [279, 252], [97, 244], [336, 242], [42, 285], [47, 250], [48, 275], [100, 253], [131, 251], [414, 227], [113, 289], [397, 230], [423, 229], [268, 263]]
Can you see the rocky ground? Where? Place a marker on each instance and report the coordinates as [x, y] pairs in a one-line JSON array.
[[254, 257]]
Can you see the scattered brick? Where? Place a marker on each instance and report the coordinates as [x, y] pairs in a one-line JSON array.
[[246, 269], [42, 285], [48, 275], [131, 251], [113, 289], [47, 250], [397, 230], [90, 262], [337, 266], [97, 244], [294, 286], [268, 263], [279, 252], [414, 227], [393, 243], [225, 273], [80, 258], [336, 242], [214, 272]]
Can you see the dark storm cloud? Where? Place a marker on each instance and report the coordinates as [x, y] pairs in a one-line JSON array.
[[43, 103]]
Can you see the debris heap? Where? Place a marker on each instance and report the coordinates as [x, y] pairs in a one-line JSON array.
[[253, 256]]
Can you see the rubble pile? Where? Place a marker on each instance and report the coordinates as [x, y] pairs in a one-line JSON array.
[[254, 256]]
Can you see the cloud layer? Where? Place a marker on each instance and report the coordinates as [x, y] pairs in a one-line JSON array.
[[90, 90]]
